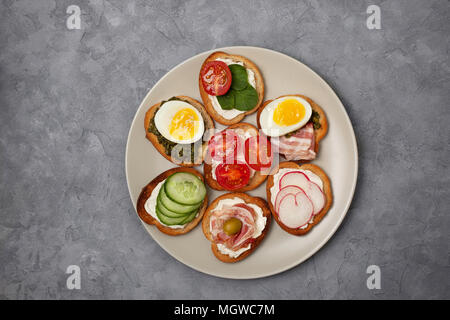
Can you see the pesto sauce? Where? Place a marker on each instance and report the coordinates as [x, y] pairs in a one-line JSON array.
[[167, 144], [315, 119]]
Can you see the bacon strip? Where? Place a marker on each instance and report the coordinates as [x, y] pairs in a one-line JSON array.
[[299, 146], [240, 211]]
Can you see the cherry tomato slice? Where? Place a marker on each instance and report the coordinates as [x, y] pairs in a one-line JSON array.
[[258, 152], [224, 146], [233, 176], [216, 78]]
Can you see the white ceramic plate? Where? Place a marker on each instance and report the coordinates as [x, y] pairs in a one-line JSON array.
[[338, 156]]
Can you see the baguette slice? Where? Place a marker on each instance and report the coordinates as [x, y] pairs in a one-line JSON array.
[[254, 181], [326, 190], [319, 133], [209, 124], [259, 87], [147, 191], [260, 202]]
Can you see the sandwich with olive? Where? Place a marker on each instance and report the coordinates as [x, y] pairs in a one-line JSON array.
[[236, 223]]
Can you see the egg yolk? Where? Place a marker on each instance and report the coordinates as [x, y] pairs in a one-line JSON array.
[[288, 112], [184, 124]]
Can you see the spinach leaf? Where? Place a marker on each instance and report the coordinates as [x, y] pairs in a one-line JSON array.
[[246, 99], [227, 100], [238, 77], [241, 96]]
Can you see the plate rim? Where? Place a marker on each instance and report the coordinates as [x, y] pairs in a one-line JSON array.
[[332, 231]]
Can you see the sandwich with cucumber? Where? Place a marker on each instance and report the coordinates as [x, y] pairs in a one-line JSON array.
[[174, 201]]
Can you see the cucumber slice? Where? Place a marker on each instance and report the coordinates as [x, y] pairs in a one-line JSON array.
[[185, 188], [169, 213], [190, 217], [169, 220], [174, 206]]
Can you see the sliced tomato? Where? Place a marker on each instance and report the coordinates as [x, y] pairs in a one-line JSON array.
[[224, 146], [258, 152], [233, 176], [216, 78]]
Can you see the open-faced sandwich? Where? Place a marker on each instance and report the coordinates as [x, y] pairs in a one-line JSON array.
[[235, 223], [174, 201], [237, 158], [231, 86], [299, 196], [295, 124], [176, 128]]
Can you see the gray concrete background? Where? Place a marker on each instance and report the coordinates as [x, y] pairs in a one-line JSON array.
[[67, 98]]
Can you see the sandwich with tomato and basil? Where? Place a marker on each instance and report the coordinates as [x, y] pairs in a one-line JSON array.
[[238, 158], [231, 87]]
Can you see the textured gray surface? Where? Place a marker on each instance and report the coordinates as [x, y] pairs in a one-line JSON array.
[[67, 98]]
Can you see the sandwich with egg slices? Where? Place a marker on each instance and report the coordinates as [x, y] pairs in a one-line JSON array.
[[295, 125], [237, 159], [177, 128], [231, 87], [174, 201], [236, 223], [299, 196]]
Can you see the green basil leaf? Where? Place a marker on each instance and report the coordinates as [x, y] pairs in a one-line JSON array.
[[227, 100], [246, 99], [239, 77]]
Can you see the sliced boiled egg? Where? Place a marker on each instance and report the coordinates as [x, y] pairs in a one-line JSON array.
[[284, 115], [179, 122]]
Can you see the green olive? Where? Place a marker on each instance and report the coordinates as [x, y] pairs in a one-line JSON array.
[[232, 226]]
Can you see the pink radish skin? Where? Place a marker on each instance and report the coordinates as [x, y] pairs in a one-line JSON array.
[[295, 211], [316, 196], [312, 190], [285, 191], [293, 178]]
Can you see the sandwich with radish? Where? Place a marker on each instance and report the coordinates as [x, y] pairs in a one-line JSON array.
[[299, 196]]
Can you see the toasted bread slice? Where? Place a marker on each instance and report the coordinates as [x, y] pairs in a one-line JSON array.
[[147, 191], [209, 124], [259, 87], [260, 202], [254, 181], [326, 190], [319, 133]]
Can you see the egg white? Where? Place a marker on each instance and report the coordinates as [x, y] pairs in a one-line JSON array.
[[270, 128], [165, 114]]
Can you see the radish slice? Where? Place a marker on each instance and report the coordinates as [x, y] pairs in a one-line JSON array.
[[285, 191], [312, 190], [316, 196], [295, 211], [294, 178]]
